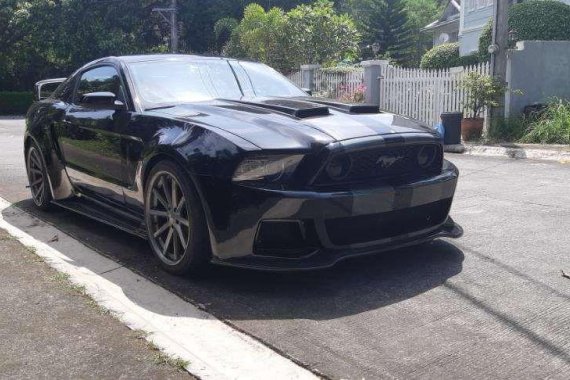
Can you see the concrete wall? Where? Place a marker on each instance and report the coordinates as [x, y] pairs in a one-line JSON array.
[[541, 69]]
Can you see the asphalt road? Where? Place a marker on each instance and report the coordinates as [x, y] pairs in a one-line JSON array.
[[492, 304]]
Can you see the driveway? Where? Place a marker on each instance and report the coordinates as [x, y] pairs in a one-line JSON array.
[[492, 304]]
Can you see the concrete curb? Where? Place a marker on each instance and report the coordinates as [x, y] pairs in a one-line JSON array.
[[212, 348], [560, 153]]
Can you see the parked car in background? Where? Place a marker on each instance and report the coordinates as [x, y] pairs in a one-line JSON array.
[[226, 161]]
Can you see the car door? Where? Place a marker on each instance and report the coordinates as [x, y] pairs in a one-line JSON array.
[[90, 135]]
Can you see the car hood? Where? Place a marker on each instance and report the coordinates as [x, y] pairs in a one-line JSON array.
[[289, 123]]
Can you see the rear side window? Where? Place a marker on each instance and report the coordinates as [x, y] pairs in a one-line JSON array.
[[100, 79]]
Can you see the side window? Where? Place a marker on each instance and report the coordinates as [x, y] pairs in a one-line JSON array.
[[100, 79]]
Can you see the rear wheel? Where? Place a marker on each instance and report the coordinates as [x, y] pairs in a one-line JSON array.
[[175, 220], [37, 177]]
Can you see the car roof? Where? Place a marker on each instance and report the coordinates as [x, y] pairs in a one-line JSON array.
[[159, 57]]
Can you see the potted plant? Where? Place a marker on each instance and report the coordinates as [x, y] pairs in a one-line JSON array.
[[483, 91]]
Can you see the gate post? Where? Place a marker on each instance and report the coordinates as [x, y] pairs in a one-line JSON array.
[[308, 76], [373, 71]]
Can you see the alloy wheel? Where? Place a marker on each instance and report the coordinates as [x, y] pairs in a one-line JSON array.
[[169, 219], [36, 176]]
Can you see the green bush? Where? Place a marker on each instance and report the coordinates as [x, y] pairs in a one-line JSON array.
[[485, 40], [441, 57], [445, 56], [540, 20], [553, 125], [468, 60], [15, 103]]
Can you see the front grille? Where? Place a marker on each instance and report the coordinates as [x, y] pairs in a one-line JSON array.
[[384, 163], [372, 227]]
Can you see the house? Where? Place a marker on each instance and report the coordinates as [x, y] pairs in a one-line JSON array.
[[446, 28], [463, 21]]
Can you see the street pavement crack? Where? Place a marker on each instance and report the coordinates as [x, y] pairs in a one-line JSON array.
[[111, 270]]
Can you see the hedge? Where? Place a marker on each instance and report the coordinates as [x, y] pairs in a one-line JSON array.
[[542, 20], [441, 56], [545, 20], [445, 56], [15, 103], [485, 40]]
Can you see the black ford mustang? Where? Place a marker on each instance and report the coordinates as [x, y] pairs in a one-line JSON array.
[[226, 161]]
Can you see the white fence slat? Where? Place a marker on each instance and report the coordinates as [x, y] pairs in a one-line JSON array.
[[425, 94]]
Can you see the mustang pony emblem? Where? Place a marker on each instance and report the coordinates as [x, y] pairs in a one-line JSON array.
[[387, 161]]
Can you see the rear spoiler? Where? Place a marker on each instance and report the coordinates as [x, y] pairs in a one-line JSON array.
[[52, 85]]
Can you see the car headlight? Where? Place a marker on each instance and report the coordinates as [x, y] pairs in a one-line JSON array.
[[427, 155], [271, 168]]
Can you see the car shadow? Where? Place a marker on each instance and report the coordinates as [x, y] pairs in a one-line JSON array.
[[351, 287]]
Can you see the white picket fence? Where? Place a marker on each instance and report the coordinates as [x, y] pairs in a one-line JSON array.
[[338, 84], [424, 94], [296, 77], [333, 84]]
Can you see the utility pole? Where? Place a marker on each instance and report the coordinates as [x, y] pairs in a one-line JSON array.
[[172, 21], [498, 50]]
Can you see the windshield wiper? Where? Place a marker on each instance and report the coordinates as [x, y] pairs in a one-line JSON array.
[[160, 107]]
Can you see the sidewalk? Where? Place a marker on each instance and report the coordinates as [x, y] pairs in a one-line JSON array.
[[50, 330], [552, 152]]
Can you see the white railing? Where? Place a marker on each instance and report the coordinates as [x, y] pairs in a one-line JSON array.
[[338, 84], [424, 94], [334, 84]]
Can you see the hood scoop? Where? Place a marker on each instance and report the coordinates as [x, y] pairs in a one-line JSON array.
[[295, 108], [349, 108]]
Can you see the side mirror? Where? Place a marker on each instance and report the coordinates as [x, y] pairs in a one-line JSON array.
[[44, 88], [308, 91], [102, 100]]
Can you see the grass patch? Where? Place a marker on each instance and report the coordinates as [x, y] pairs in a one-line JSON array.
[[161, 358], [552, 127], [7, 238], [63, 279], [141, 334]]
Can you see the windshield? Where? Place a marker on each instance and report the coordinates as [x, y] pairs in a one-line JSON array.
[[166, 82]]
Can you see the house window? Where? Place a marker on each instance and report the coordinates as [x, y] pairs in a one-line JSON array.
[[483, 3], [478, 4]]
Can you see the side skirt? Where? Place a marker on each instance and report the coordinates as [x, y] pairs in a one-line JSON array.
[[104, 214]]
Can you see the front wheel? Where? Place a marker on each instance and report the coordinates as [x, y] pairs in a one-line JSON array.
[[175, 220]]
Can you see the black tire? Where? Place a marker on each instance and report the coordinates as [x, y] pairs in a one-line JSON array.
[[38, 177], [174, 219]]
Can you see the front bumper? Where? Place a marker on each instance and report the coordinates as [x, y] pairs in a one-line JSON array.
[[235, 224]]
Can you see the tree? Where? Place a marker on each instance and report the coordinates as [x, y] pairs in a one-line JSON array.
[[384, 22], [198, 17], [318, 34], [393, 31], [261, 36], [421, 13], [306, 34], [53, 38]]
